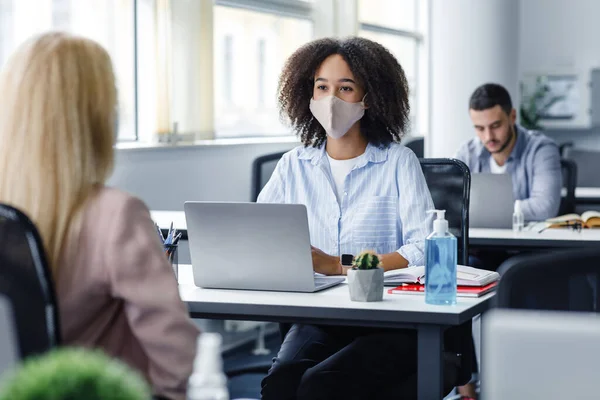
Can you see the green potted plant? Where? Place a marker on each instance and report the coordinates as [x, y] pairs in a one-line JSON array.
[[365, 278], [535, 104], [73, 374]]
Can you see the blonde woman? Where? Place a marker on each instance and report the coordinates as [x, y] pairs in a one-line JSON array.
[[115, 288]]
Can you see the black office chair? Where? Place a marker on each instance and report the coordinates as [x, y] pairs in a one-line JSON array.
[[262, 169], [449, 182], [569, 177], [588, 164], [560, 281], [562, 148], [417, 145], [26, 280]]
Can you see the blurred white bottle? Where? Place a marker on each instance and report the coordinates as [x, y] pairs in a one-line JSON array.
[[518, 220], [208, 382]]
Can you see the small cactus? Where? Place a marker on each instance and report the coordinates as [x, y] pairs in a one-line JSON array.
[[367, 260]]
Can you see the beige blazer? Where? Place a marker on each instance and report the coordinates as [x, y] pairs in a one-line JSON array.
[[117, 292]]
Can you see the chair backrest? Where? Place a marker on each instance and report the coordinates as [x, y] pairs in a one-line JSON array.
[[560, 281], [26, 281], [588, 164], [569, 178], [262, 169], [562, 148], [417, 145], [449, 182]]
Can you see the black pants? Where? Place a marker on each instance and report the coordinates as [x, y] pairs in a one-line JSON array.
[[319, 362]]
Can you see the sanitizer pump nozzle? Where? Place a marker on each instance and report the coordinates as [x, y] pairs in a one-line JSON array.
[[440, 225]]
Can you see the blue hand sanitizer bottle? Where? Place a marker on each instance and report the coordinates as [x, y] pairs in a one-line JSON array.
[[440, 263]]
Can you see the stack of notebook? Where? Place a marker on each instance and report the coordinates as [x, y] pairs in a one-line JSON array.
[[471, 282]]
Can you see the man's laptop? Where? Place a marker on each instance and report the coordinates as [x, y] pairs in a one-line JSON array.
[[252, 246], [540, 355], [492, 201]]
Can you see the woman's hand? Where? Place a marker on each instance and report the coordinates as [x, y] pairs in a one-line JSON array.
[[324, 263]]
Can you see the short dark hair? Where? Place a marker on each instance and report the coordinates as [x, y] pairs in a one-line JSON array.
[[375, 68], [490, 95]]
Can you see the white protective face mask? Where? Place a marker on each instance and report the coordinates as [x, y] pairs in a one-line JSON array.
[[335, 115]]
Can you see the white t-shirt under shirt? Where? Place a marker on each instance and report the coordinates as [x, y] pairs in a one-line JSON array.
[[339, 170], [495, 168]]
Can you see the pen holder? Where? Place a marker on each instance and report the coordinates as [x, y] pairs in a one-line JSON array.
[[171, 252]]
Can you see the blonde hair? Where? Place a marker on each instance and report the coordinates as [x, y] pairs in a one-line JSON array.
[[57, 115]]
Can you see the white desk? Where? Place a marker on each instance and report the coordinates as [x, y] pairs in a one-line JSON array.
[[478, 238], [334, 307], [587, 193], [550, 238]]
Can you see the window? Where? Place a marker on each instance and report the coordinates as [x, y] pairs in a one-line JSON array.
[[397, 25], [253, 46], [109, 22], [210, 68]]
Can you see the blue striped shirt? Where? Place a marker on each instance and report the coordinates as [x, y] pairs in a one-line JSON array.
[[383, 207]]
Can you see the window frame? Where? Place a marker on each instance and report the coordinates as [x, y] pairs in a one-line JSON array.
[[285, 8], [295, 9], [337, 18], [64, 15], [419, 38]]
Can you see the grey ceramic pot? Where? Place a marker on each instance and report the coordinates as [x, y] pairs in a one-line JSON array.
[[365, 284]]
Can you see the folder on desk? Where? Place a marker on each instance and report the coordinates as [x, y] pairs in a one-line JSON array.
[[461, 291], [465, 276]]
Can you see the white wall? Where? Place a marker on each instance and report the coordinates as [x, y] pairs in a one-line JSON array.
[[557, 36], [166, 177], [472, 42]]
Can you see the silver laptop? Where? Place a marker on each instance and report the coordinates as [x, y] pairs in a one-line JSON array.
[[540, 355], [8, 340], [252, 246], [492, 201]]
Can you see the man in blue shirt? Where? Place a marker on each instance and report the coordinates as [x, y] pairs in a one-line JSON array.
[[502, 146]]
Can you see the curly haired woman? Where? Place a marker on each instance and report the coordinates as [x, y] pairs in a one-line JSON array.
[[348, 102]]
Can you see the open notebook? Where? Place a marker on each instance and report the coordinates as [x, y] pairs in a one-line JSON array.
[[465, 276], [589, 219]]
